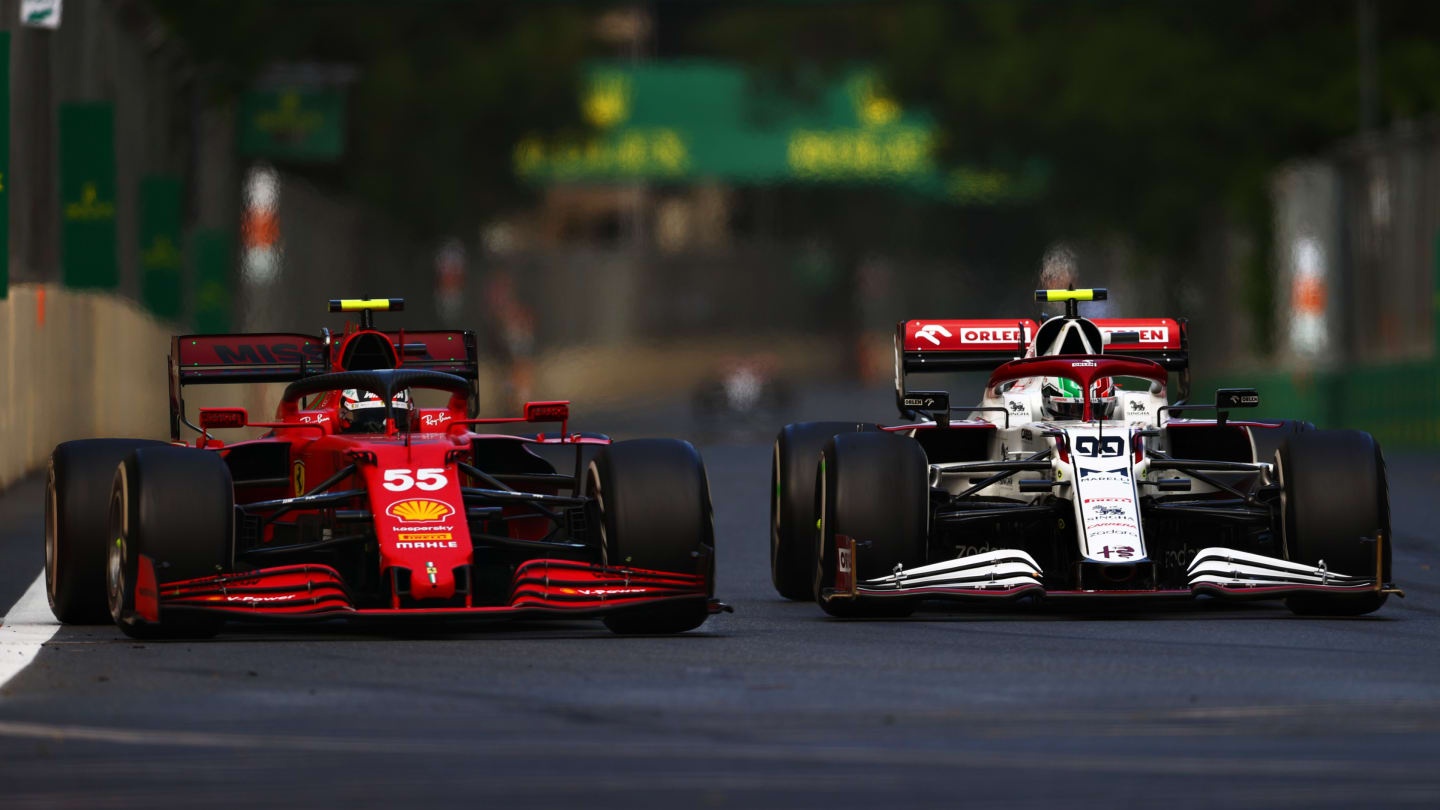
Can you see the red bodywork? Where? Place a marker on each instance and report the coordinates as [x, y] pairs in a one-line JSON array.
[[400, 507]]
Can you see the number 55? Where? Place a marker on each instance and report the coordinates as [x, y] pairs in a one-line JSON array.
[[429, 479]]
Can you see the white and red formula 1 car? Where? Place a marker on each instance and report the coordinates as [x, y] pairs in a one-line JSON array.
[[1074, 477]]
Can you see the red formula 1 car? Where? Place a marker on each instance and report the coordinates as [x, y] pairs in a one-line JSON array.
[[359, 502]]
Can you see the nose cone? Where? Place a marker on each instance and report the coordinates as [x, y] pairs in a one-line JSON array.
[[419, 516]]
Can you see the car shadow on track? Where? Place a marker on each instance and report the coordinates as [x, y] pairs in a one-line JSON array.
[[1162, 610], [342, 631]]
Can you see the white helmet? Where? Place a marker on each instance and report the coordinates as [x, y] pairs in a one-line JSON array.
[[364, 411]]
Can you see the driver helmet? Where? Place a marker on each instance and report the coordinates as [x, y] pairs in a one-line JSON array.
[[364, 411], [1062, 399]]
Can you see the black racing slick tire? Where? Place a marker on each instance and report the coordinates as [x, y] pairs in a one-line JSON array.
[[873, 488], [1267, 440], [175, 507], [77, 494], [1336, 508], [652, 499], [794, 459]]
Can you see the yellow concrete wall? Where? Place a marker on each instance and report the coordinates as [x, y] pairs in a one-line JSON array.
[[94, 365]]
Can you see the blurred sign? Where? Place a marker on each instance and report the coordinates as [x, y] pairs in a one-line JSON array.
[[4, 164], [687, 120], [87, 195], [213, 256], [450, 280], [40, 13], [260, 227], [161, 259], [1309, 334], [302, 124]]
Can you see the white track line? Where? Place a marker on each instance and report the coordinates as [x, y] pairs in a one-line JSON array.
[[26, 628]]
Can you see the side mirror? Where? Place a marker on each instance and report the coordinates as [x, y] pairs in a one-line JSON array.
[[935, 403], [220, 418], [1230, 398], [547, 411]]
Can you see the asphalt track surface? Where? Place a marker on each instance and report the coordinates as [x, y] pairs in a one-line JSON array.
[[1199, 705]]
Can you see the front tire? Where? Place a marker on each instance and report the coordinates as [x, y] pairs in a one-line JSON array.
[[1268, 440], [77, 492], [653, 500], [873, 488], [794, 459], [175, 507], [1336, 504]]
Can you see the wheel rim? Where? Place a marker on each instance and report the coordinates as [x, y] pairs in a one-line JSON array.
[[775, 511], [593, 485], [52, 542], [1284, 508], [820, 532], [116, 556]]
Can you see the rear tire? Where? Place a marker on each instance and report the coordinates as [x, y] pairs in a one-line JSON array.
[[653, 500], [175, 506], [794, 460], [77, 494], [874, 488], [1335, 493]]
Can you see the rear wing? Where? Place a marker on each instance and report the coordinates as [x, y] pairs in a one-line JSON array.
[[246, 358], [936, 345], [282, 357], [950, 345], [451, 351], [961, 345], [1164, 340]]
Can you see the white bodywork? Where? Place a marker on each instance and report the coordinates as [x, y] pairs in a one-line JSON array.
[[1099, 469]]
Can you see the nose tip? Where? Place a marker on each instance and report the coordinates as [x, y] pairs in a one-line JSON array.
[[1117, 573]]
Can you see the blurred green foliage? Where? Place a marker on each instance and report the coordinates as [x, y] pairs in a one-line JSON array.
[[1156, 118], [1152, 113], [443, 90], [1159, 119]]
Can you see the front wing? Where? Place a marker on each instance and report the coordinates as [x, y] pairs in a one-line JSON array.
[[540, 589], [1007, 574]]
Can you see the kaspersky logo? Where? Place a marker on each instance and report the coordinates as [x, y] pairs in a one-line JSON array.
[[420, 510]]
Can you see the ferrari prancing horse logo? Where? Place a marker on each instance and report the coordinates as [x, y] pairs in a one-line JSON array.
[[297, 477]]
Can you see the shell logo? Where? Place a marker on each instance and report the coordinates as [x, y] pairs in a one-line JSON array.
[[420, 510]]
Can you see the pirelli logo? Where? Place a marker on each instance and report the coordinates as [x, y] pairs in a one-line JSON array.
[[425, 536], [425, 540]]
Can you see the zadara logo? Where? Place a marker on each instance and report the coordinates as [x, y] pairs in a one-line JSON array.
[[420, 510]]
